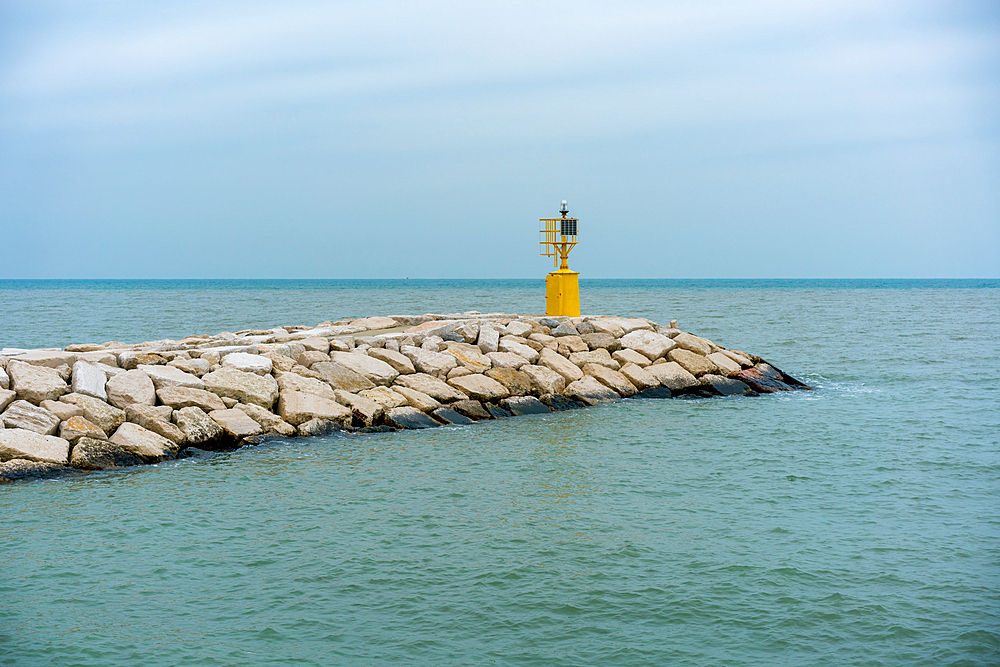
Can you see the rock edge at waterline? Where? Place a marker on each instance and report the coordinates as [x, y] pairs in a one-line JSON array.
[[110, 405]]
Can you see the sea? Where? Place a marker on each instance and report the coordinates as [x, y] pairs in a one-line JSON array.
[[857, 524]]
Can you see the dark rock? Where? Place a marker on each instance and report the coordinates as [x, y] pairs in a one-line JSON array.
[[655, 392], [471, 409], [549, 322], [556, 402], [20, 469], [726, 386], [194, 452], [564, 329], [452, 336], [585, 328], [317, 426], [93, 454], [381, 428], [695, 394], [776, 373], [259, 439], [449, 416], [496, 411], [407, 417], [524, 405]]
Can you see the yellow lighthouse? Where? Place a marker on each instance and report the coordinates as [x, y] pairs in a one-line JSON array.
[[557, 237]]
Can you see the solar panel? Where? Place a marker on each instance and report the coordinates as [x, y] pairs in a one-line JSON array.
[[568, 226]]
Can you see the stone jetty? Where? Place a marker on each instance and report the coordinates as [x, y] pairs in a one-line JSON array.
[[95, 407]]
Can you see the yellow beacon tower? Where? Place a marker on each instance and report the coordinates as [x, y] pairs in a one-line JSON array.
[[562, 287]]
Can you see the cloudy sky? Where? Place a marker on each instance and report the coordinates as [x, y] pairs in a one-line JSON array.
[[386, 138]]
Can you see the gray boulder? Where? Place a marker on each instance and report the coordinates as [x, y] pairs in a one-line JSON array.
[[725, 386], [449, 416], [471, 409]]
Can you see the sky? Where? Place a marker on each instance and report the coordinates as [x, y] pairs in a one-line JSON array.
[[394, 139]]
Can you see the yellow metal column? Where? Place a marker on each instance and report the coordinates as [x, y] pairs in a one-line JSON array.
[[562, 293]]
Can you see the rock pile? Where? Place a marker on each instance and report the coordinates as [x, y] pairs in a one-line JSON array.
[[94, 407]]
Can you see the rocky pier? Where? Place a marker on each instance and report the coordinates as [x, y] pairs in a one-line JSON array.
[[112, 405]]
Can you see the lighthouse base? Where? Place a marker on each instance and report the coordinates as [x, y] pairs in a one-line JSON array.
[[562, 293]]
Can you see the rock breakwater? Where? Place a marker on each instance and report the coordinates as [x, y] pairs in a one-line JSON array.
[[101, 406]]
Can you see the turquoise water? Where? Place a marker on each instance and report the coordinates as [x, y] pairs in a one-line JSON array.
[[854, 525]]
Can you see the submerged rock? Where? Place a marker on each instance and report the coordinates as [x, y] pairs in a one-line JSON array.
[[23, 469], [408, 418], [92, 454], [449, 416], [524, 405]]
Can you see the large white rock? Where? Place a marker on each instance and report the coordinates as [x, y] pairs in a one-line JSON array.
[[47, 358], [560, 364], [198, 428], [236, 423], [106, 416], [726, 364], [4, 379], [544, 380], [672, 375], [693, 343], [376, 323], [739, 358], [150, 447], [519, 328], [35, 383], [435, 327], [627, 356], [88, 379], [385, 397], [599, 356], [297, 407], [365, 410], [7, 397], [611, 379], [692, 362], [295, 382], [648, 343], [156, 419], [79, 427], [62, 410], [429, 362], [21, 414], [530, 354], [432, 386], [269, 422], [131, 387], [480, 387], [342, 378], [590, 391], [17, 443], [468, 330], [469, 356], [374, 369], [489, 338], [506, 360], [244, 387], [639, 377], [399, 361], [185, 397], [418, 399], [171, 376], [249, 363]]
